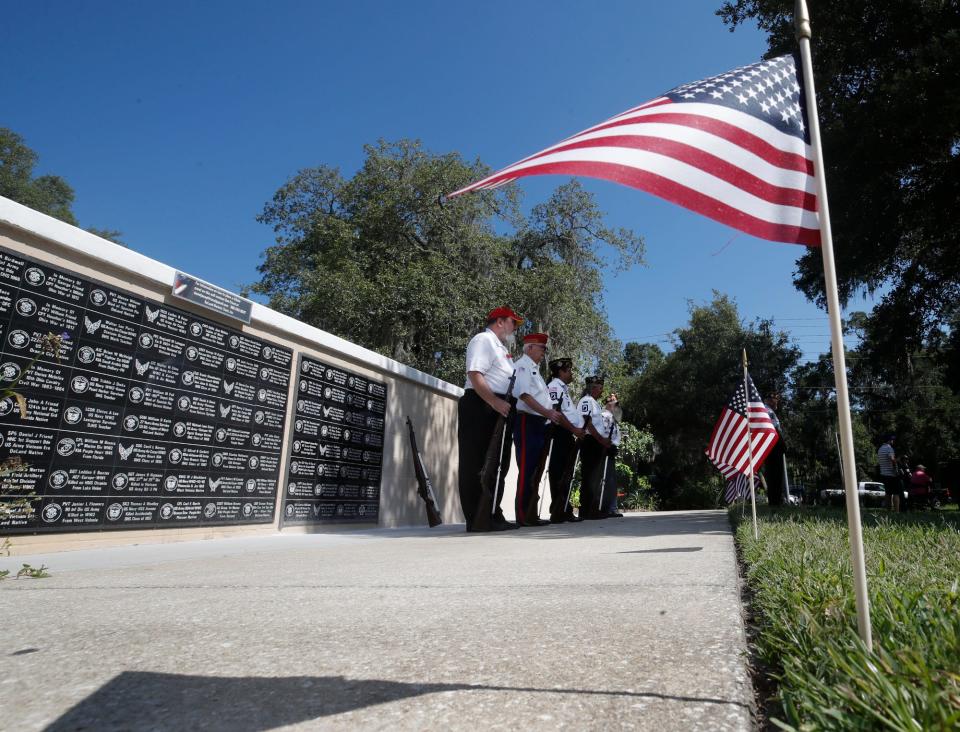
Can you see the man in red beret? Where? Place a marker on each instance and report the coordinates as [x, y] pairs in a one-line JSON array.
[[489, 369], [534, 412]]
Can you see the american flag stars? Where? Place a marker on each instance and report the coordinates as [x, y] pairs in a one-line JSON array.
[[768, 89]]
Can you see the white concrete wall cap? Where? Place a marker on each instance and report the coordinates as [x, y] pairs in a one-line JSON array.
[[91, 246]]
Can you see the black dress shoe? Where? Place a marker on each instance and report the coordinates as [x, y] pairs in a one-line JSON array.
[[615, 514], [596, 516], [559, 519], [573, 519], [535, 522], [503, 525]]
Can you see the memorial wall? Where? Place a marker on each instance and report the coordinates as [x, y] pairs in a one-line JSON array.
[[164, 406]]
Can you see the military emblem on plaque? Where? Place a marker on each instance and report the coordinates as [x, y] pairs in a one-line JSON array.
[[72, 415], [98, 298], [52, 513], [9, 371], [34, 276], [26, 307], [18, 339], [114, 511], [86, 354], [145, 340], [166, 511], [58, 479], [79, 383]]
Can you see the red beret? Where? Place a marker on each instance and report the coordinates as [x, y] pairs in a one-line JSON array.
[[503, 312], [540, 338]]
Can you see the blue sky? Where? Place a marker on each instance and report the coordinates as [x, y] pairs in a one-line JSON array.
[[175, 122]]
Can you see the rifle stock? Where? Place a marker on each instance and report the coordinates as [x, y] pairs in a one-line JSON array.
[[424, 486]]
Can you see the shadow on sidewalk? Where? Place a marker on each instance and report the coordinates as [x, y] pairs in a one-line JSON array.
[[158, 701], [673, 523]]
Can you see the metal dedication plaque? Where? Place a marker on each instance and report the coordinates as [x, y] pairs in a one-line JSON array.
[[152, 416], [336, 449]]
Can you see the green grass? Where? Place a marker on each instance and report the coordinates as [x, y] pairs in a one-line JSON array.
[[804, 618]]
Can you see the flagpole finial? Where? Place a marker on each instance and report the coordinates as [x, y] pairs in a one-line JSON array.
[[801, 19]]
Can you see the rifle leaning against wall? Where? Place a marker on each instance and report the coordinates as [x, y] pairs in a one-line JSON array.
[[493, 465], [424, 486]]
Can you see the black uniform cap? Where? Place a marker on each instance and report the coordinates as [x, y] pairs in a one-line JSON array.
[[559, 364], [591, 380]]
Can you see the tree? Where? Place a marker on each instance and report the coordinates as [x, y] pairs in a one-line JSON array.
[[638, 357], [681, 397], [49, 194], [889, 100], [375, 259]]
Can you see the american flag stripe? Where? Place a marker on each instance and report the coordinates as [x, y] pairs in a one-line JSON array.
[[736, 152], [733, 450]]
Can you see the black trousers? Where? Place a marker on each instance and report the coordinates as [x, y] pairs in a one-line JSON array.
[[476, 422], [561, 460], [592, 454]]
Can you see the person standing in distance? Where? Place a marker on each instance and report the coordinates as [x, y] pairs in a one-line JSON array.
[[592, 450], [611, 415], [534, 413], [565, 439], [489, 368], [887, 460]]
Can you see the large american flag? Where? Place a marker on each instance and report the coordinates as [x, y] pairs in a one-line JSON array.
[[733, 147], [729, 447]]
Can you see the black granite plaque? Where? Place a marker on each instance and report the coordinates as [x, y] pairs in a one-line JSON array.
[[336, 447], [150, 417]]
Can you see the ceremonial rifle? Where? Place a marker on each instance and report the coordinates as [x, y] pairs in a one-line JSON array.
[[606, 462], [490, 478], [544, 463], [424, 486], [571, 468]]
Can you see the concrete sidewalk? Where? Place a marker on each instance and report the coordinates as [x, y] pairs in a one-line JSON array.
[[628, 623]]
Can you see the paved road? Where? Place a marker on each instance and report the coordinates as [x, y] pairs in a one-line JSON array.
[[632, 623]]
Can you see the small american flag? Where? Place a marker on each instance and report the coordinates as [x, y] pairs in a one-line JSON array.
[[737, 487], [729, 448], [733, 147]]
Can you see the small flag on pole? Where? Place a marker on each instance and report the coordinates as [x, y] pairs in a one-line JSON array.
[[733, 147], [737, 487], [729, 447]]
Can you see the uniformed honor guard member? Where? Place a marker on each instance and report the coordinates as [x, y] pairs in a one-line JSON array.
[[534, 412], [489, 369], [592, 450], [565, 440], [611, 415]]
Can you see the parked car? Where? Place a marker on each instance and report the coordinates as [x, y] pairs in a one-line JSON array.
[[795, 498], [871, 494]]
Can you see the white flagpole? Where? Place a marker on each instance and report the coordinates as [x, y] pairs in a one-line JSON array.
[[802, 21], [746, 406]]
